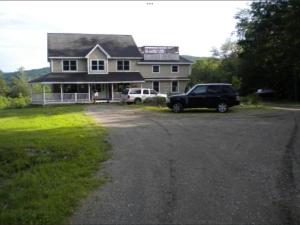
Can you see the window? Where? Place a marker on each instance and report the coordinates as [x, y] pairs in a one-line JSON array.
[[146, 92], [156, 85], [175, 86], [135, 91], [175, 68], [69, 65], [123, 65], [214, 89], [97, 65], [199, 90], [152, 92], [155, 69], [228, 89]]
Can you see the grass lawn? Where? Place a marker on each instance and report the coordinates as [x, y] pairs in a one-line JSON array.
[[48, 156]]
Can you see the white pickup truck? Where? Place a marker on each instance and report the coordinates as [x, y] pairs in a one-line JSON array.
[[138, 95]]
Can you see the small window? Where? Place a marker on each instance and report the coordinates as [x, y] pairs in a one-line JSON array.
[[175, 86], [146, 92], [69, 65], [156, 85], [175, 69], [199, 90], [152, 92], [123, 65], [155, 68], [97, 65]]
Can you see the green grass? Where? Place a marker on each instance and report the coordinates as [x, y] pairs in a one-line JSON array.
[[48, 156]]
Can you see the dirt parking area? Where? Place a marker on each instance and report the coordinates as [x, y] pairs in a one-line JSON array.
[[197, 168]]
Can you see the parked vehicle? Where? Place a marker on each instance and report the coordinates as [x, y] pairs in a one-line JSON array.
[[265, 93], [212, 95], [138, 95]]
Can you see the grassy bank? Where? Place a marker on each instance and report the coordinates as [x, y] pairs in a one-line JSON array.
[[47, 159]]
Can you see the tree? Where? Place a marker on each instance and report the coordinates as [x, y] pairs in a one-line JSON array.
[[3, 86], [206, 70], [222, 67], [19, 84], [269, 38]]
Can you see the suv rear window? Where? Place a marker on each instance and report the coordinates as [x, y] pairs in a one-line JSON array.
[[228, 89], [214, 89], [135, 91]]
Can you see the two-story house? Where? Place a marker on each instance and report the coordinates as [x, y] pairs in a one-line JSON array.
[[84, 63]]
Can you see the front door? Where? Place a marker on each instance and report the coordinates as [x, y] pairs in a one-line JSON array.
[[102, 89]]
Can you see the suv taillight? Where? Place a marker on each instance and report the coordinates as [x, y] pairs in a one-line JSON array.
[[128, 96]]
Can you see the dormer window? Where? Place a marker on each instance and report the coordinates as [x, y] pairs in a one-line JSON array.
[[123, 65], [97, 65], [69, 65]]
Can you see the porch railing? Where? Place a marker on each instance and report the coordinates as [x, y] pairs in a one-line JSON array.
[[53, 98]]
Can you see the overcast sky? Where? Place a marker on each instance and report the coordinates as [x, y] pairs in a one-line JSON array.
[[195, 27]]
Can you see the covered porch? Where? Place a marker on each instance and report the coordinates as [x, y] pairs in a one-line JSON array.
[[68, 88], [79, 93]]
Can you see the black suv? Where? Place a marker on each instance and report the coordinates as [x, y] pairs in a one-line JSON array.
[[213, 95]]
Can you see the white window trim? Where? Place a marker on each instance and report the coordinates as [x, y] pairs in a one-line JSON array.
[[158, 68], [89, 63], [101, 49], [69, 71], [172, 86], [172, 68], [97, 60], [123, 65], [158, 85]]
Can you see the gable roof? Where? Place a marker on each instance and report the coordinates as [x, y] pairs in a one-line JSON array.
[[100, 48], [79, 45]]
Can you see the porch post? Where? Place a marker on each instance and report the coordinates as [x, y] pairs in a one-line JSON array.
[[112, 92], [61, 93], [141, 85], [44, 95], [89, 86]]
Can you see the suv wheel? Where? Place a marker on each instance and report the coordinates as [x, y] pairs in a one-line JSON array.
[[177, 107], [137, 101], [222, 107]]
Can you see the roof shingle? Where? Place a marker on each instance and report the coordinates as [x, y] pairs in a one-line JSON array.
[[79, 45], [120, 77]]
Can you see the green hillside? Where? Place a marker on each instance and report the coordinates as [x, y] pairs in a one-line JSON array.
[[34, 73]]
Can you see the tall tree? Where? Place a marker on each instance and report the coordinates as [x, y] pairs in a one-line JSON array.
[[3, 85], [269, 37], [19, 84]]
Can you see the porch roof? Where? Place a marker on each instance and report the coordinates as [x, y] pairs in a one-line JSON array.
[[112, 77]]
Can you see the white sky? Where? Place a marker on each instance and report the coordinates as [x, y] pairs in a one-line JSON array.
[[195, 27]]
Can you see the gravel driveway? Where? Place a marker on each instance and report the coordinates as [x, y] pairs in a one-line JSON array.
[[197, 168]]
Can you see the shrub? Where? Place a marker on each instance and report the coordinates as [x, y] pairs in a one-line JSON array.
[[252, 99], [4, 102], [19, 102], [155, 101]]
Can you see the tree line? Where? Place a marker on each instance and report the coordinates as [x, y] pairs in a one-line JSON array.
[[266, 53]]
